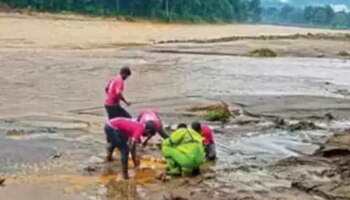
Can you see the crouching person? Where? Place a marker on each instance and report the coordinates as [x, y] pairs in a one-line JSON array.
[[208, 139], [183, 151], [124, 134], [152, 115]]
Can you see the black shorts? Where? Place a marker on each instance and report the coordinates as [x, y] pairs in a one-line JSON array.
[[116, 110], [210, 151]]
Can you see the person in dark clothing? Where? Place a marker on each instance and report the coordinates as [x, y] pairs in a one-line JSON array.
[[124, 134], [208, 139]]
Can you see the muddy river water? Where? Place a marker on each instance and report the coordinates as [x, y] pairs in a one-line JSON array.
[[52, 145]]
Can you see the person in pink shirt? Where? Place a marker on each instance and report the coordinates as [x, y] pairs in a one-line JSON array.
[[152, 115], [124, 134], [208, 139], [114, 94]]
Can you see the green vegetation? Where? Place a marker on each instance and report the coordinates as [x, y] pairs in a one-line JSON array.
[[217, 115], [263, 52], [168, 10], [320, 16]]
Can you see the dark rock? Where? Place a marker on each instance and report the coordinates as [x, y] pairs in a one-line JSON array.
[[326, 191], [306, 160], [56, 156], [209, 176], [92, 170], [321, 190], [47, 130], [280, 121], [343, 92], [329, 116], [2, 181], [329, 152], [303, 125], [304, 186], [326, 173]]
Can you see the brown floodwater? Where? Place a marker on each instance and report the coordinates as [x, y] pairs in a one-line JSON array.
[[57, 152], [49, 81]]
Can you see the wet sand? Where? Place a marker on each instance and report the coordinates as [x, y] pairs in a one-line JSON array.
[[52, 80], [43, 31], [243, 47]]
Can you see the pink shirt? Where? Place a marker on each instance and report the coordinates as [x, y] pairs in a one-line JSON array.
[[150, 115], [114, 87], [128, 127], [207, 134]]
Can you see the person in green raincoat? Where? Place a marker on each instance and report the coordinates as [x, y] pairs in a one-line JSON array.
[[183, 151]]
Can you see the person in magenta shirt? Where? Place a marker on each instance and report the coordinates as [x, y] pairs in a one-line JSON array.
[[124, 134], [152, 115], [114, 94], [208, 139]]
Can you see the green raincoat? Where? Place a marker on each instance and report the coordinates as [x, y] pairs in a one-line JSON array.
[[183, 151]]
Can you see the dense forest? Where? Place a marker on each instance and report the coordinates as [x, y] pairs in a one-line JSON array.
[[320, 16], [196, 11], [169, 10]]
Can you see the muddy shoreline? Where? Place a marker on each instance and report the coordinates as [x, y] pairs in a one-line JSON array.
[[256, 154]]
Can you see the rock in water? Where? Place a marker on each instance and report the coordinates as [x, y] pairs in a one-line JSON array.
[[2, 181]]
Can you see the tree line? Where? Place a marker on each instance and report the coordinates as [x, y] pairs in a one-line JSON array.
[[170, 10], [321, 16]]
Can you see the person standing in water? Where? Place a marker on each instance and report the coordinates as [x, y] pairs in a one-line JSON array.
[[114, 94], [208, 139], [125, 134]]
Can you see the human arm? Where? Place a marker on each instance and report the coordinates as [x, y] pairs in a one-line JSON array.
[[119, 91], [161, 130], [121, 96], [146, 141], [163, 133], [107, 86], [134, 140], [135, 160]]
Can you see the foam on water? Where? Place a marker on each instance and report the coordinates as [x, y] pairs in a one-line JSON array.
[[267, 147]]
